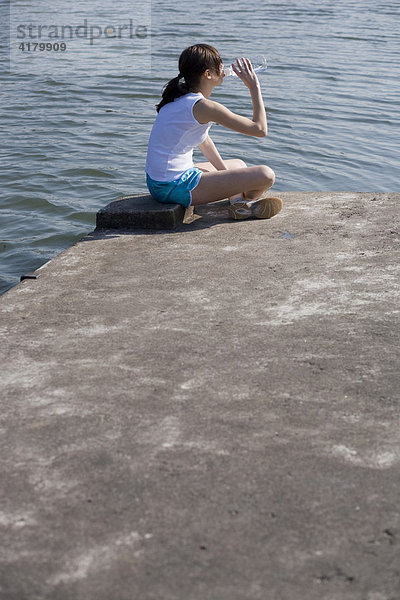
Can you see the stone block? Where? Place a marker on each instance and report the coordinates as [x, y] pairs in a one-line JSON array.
[[139, 211]]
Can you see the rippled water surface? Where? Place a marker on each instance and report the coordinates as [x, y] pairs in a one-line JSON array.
[[74, 141]]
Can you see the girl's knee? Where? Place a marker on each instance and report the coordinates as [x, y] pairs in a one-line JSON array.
[[236, 163], [268, 175]]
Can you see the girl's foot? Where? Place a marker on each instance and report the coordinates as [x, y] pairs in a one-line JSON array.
[[264, 208], [240, 210]]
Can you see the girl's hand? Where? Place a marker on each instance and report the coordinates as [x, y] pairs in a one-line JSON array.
[[244, 70]]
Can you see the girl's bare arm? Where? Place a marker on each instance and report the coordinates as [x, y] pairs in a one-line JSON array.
[[207, 110], [211, 153]]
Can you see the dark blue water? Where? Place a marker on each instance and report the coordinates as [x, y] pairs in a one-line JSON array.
[[73, 141]]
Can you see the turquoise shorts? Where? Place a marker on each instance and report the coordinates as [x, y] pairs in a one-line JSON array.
[[177, 191]]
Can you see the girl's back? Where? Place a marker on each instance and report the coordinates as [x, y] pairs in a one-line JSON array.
[[174, 135]]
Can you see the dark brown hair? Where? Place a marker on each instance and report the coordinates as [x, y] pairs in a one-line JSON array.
[[192, 63]]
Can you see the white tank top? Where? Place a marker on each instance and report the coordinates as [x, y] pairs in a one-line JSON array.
[[174, 135]]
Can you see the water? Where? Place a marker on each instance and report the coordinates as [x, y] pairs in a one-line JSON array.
[[73, 142]]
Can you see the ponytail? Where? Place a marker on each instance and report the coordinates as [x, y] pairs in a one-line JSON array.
[[173, 89], [192, 63]]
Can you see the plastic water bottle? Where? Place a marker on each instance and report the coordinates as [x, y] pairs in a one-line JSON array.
[[259, 65]]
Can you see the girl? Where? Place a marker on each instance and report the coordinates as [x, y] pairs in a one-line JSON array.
[[185, 115]]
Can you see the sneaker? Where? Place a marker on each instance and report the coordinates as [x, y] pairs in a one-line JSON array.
[[264, 208], [240, 210]]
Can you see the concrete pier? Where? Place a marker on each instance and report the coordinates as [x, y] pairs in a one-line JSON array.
[[209, 413]]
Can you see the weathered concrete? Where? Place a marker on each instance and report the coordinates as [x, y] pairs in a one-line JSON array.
[[139, 212], [208, 414]]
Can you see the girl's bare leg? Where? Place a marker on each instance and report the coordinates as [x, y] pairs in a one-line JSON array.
[[231, 163], [217, 185]]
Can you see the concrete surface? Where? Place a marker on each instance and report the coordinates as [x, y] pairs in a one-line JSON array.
[[140, 211], [208, 414]]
